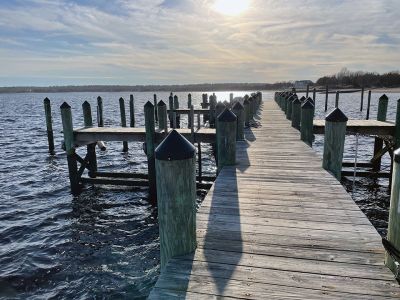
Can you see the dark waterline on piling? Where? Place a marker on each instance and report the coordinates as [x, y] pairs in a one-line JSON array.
[[105, 242]]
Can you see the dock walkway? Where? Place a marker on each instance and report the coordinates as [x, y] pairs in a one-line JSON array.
[[278, 226]]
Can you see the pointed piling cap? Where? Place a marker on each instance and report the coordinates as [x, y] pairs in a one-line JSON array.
[[237, 106], [296, 100], [99, 98], [397, 155], [121, 99], [246, 102], [46, 100], [383, 97], [85, 104], [65, 105], [302, 99], [227, 116], [336, 116], [307, 105], [220, 105], [175, 147], [149, 104], [161, 103]]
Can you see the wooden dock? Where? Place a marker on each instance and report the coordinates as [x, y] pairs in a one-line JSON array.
[[278, 226]]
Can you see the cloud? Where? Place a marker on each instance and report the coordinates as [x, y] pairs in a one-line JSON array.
[[176, 41]]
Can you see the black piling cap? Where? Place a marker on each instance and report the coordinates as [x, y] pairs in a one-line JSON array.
[[246, 102], [311, 100], [161, 103], [227, 116], [307, 105], [149, 104], [65, 105], [397, 155], [175, 147], [237, 106], [99, 98], [220, 105], [383, 97], [85, 104], [336, 116], [296, 101], [46, 99], [302, 99]]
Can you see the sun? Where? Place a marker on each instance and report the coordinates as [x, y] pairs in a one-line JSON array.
[[231, 7]]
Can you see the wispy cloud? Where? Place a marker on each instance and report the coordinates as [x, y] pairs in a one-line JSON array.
[[176, 41]]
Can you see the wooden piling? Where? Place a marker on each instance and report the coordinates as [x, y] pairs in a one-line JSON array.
[[296, 113], [177, 116], [191, 121], [238, 110], [308, 90], [381, 116], [171, 110], [100, 118], [246, 112], [132, 111], [397, 128], [289, 107], [211, 118], [337, 99], [306, 127], [91, 148], [335, 132], [176, 187], [219, 108], [326, 97], [199, 162], [368, 105], [49, 125], [393, 234], [155, 107], [162, 116], [123, 121], [231, 98], [314, 95], [150, 146], [226, 139], [68, 131], [189, 102], [362, 99]]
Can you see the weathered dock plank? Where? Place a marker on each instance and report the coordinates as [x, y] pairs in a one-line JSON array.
[[368, 127], [83, 136], [278, 226]]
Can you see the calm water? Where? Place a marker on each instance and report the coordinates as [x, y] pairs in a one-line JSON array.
[[104, 243]]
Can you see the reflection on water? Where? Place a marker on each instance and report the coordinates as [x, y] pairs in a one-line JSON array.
[[105, 242]]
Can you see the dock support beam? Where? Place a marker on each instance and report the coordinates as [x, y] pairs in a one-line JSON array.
[[226, 139], [306, 127], [335, 132], [176, 186], [68, 131], [150, 137], [381, 116], [49, 125]]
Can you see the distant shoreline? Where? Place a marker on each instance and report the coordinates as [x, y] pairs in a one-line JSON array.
[[182, 88]]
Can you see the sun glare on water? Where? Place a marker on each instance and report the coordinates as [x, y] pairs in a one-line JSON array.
[[231, 7]]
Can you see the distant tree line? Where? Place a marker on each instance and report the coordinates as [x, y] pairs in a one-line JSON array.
[[358, 79], [150, 88]]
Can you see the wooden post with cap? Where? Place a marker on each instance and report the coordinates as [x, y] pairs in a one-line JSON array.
[[91, 148], [393, 234], [123, 121], [68, 131], [296, 113], [132, 111], [100, 117], [49, 125], [150, 145], [162, 116], [155, 107], [335, 133], [238, 110], [307, 118], [226, 139], [381, 116], [176, 188]]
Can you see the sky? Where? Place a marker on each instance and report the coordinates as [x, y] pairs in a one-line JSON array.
[[59, 42]]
